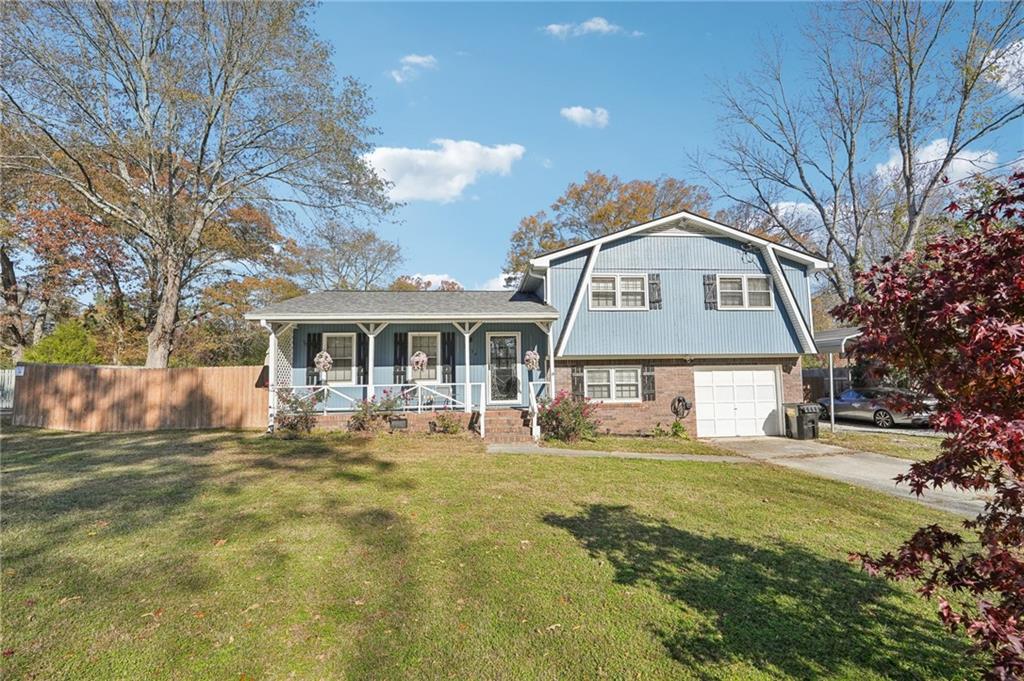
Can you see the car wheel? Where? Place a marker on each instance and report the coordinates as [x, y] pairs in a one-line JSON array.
[[884, 419], [823, 414]]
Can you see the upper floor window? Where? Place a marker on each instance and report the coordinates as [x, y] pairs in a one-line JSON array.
[[744, 292], [429, 344], [618, 292], [342, 349]]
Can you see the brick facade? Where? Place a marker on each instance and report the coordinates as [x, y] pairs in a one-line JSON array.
[[672, 377]]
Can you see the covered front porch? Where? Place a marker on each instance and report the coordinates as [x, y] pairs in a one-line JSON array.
[[415, 351], [470, 365]]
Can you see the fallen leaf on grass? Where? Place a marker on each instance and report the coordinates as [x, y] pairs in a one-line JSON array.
[[220, 542], [199, 614], [8, 652], [155, 614]]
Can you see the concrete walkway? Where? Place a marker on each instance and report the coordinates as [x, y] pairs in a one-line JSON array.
[[866, 469], [530, 448]]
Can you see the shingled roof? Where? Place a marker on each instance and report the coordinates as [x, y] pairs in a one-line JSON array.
[[407, 305]]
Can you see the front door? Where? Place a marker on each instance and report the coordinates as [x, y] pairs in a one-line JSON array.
[[503, 368]]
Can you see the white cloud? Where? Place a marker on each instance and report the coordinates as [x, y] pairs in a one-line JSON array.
[[593, 25], [410, 66], [586, 117], [441, 174], [966, 163], [494, 283], [1010, 70], [796, 212], [436, 279]]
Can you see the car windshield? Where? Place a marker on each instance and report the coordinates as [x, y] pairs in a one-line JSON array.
[[850, 395]]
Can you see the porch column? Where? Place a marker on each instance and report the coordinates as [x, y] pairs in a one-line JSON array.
[[467, 331], [272, 378], [371, 332]]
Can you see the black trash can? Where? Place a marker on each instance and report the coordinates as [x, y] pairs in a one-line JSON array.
[[802, 420]]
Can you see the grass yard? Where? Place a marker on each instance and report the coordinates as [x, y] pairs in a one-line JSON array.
[[650, 445], [893, 443], [230, 556]]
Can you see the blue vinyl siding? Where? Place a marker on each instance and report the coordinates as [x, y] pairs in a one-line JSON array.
[[683, 326], [531, 337]]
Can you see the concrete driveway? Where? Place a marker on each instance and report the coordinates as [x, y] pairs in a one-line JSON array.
[[866, 469]]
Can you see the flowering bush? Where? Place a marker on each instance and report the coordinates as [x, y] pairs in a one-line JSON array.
[[371, 416], [567, 418], [295, 415], [419, 361], [952, 316], [532, 360], [323, 361], [447, 423]]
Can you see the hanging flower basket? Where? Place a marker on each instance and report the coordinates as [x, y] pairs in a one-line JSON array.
[[323, 362], [418, 361], [532, 360]]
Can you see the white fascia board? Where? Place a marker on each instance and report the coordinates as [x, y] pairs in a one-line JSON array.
[[789, 300], [816, 263], [582, 291], [296, 318]]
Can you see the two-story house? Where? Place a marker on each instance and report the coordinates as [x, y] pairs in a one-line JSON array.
[[681, 316]]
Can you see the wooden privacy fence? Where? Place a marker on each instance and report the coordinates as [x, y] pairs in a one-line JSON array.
[[105, 399]]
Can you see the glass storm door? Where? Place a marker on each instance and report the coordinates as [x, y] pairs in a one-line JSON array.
[[503, 362]]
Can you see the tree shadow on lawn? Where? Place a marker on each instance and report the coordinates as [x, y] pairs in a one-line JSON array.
[[777, 606], [64, 483]]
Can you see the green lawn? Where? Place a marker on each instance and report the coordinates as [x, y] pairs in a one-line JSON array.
[[650, 445], [231, 556], [893, 443]]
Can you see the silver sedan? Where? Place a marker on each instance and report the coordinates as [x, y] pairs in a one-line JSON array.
[[873, 404]]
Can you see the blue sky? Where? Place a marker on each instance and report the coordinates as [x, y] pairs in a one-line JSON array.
[[494, 80]]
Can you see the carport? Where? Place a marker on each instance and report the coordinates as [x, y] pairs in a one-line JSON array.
[[833, 342]]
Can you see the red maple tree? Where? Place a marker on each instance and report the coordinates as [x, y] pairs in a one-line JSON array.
[[952, 317]]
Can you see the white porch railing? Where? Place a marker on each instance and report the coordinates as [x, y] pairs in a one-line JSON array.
[[537, 390], [411, 397]]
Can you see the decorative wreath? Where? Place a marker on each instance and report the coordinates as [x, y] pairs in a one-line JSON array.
[[323, 361], [532, 360], [419, 361]]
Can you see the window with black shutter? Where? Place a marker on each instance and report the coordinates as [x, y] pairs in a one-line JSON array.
[[654, 290], [362, 357], [401, 357], [647, 383], [710, 292], [577, 381], [314, 344], [448, 357]]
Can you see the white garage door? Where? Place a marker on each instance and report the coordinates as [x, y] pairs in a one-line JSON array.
[[733, 402]]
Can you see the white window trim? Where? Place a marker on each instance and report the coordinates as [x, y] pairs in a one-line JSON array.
[[618, 276], [519, 365], [436, 366], [746, 301], [355, 372], [611, 384]]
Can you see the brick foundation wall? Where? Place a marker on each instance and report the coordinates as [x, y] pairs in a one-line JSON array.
[[672, 377], [418, 423]]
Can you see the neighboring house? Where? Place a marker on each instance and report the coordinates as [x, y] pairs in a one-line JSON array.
[[682, 306]]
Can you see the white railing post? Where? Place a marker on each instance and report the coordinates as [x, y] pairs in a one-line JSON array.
[[483, 411], [369, 365]]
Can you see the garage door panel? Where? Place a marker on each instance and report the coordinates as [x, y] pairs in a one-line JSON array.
[[744, 393], [736, 402]]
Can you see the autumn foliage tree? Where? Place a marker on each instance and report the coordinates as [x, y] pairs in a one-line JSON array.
[[952, 316], [597, 206], [166, 117]]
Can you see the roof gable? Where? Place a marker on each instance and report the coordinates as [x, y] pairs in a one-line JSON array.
[[683, 223]]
